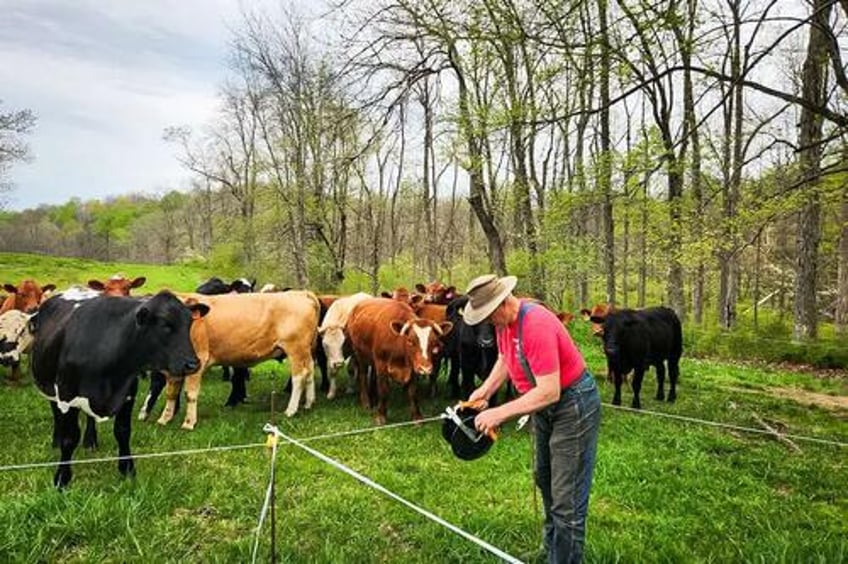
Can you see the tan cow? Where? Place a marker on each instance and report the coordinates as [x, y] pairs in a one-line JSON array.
[[117, 285], [332, 334], [244, 329]]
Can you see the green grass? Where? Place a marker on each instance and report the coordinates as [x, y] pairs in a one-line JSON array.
[[664, 490]]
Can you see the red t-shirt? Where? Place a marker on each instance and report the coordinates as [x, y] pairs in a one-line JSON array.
[[546, 345]]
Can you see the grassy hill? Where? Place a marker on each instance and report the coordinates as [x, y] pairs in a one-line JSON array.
[[65, 271]]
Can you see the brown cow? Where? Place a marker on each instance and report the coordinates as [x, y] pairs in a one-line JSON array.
[[244, 329], [117, 285], [437, 293], [599, 311], [399, 345], [26, 296]]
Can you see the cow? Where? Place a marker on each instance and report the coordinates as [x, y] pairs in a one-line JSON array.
[[436, 293], [244, 329], [472, 349], [87, 355], [215, 287], [26, 296], [599, 313], [388, 336], [400, 294], [117, 285], [15, 339], [331, 333], [637, 339]]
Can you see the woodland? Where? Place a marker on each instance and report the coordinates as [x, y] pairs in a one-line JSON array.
[[685, 152]]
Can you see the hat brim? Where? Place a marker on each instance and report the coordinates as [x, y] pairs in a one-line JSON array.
[[474, 315]]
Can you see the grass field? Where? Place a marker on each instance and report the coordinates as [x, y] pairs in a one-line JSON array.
[[665, 490]]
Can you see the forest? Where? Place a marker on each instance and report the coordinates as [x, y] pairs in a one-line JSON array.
[[689, 153]]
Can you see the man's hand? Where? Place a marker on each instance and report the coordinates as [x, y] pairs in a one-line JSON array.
[[488, 421]]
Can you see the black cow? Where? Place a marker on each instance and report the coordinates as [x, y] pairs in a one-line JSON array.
[[471, 348], [637, 339], [87, 355]]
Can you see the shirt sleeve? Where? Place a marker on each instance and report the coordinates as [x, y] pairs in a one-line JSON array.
[[540, 344]]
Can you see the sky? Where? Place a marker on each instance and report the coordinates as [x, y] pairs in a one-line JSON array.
[[104, 79]]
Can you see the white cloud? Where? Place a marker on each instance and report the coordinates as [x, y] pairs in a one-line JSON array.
[[104, 82]]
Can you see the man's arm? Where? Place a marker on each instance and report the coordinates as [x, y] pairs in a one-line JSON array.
[[546, 392]]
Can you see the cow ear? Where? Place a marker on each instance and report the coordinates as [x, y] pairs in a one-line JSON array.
[[420, 288], [450, 293], [198, 310], [96, 285], [138, 282], [253, 284], [48, 287], [445, 327], [386, 295], [398, 327], [596, 319], [11, 289], [586, 314], [416, 301]]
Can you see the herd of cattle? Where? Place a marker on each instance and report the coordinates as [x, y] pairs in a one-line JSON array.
[[88, 346]]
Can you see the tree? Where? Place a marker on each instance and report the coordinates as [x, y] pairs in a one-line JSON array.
[[13, 126]]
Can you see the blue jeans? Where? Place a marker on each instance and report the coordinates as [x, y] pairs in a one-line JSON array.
[[566, 443]]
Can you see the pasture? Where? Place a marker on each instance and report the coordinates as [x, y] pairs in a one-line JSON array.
[[665, 490]]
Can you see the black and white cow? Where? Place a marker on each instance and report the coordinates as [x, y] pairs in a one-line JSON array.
[[86, 355], [472, 349], [637, 339]]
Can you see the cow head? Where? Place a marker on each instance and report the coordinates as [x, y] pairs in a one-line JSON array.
[[26, 296], [242, 285], [165, 323], [422, 341], [213, 287], [596, 317], [436, 292], [333, 339], [15, 336], [117, 285], [399, 294], [565, 317]]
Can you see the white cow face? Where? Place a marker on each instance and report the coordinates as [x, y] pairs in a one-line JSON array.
[[333, 339]]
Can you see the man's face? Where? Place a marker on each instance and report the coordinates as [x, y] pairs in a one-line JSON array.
[[499, 317]]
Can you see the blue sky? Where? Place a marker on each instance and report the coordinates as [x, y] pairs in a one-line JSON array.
[[104, 79]]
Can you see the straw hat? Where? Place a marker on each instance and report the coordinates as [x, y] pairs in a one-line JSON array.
[[485, 294]]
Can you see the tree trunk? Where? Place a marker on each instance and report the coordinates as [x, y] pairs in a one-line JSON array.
[[605, 168], [841, 320], [809, 139]]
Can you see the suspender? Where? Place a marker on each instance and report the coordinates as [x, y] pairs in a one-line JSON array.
[[525, 307]]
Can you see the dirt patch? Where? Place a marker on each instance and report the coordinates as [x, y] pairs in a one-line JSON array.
[[833, 403]]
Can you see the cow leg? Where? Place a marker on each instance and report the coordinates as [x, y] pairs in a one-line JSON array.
[[89, 439], [321, 360], [331, 389], [412, 394], [192, 391], [362, 376], [122, 429], [302, 377], [158, 382], [660, 380], [172, 393], [382, 398], [57, 424], [434, 375], [225, 373], [69, 438], [238, 391], [616, 378], [14, 374], [638, 374], [469, 378], [673, 375], [453, 378]]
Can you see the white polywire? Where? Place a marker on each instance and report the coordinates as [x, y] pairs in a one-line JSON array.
[[368, 482], [267, 503]]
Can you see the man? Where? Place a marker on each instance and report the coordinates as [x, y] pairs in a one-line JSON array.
[[537, 354]]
